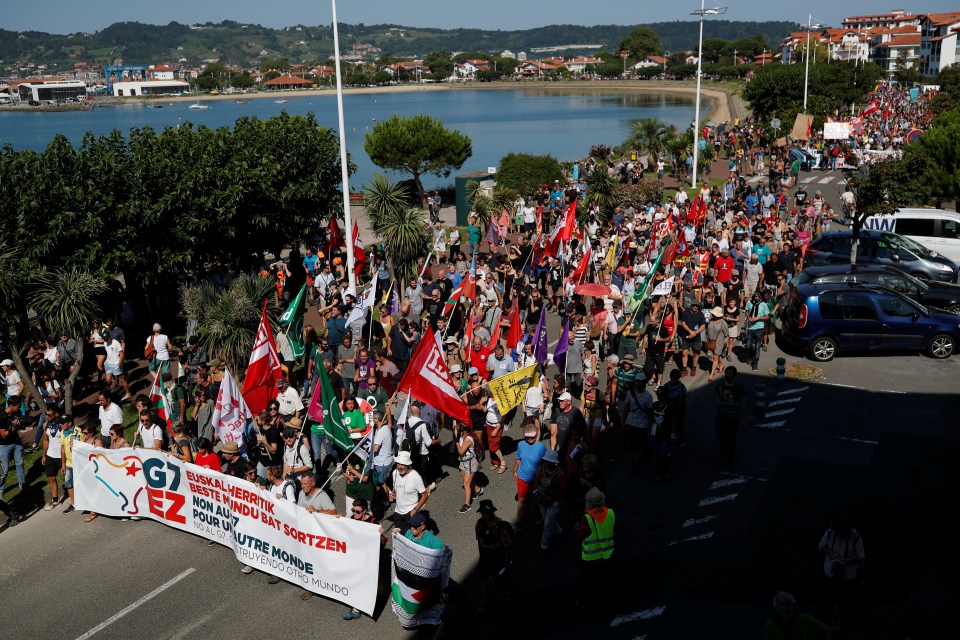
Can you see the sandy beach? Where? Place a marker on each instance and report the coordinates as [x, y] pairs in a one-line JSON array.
[[719, 109]]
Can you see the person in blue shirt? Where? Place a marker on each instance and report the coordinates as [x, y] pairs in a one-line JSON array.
[[752, 202], [529, 456], [418, 533], [762, 250], [473, 235]]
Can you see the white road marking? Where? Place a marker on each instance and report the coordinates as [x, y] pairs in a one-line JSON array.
[[788, 392], [772, 425], [826, 180], [831, 435], [153, 594], [737, 475], [784, 401], [774, 414], [728, 482], [702, 536], [694, 521], [857, 440], [807, 180], [646, 614], [706, 502]]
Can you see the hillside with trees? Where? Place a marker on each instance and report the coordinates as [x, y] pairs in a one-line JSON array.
[[248, 44]]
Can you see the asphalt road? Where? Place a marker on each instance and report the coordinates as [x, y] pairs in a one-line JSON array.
[[699, 556]]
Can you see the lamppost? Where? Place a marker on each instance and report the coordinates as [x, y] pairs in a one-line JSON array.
[[344, 168], [696, 120], [806, 73]]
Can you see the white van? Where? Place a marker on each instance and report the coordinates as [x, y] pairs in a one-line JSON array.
[[936, 229]]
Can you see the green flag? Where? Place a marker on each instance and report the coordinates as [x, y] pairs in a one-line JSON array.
[[332, 415], [294, 316]]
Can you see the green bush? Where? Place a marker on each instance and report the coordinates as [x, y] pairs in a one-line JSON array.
[[524, 173]]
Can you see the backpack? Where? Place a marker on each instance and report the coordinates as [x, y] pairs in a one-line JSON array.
[[293, 481], [410, 436]]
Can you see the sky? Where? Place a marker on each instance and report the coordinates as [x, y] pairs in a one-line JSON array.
[[69, 16]]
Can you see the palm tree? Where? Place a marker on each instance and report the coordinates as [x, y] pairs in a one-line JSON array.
[[403, 229], [227, 320], [601, 187], [650, 135], [67, 300]]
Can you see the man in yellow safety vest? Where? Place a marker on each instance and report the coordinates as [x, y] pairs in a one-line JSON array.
[[597, 531]]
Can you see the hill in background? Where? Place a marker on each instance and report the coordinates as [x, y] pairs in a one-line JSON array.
[[249, 44]]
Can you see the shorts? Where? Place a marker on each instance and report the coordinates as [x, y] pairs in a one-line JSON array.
[[68, 478], [52, 467], [380, 474], [493, 441], [695, 344], [524, 489], [163, 366], [531, 411], [113, 369], [469, 466], [596, 424], [734, 331]]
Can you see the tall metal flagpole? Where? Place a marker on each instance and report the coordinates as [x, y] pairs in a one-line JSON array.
[[696, 119], [344, 168]]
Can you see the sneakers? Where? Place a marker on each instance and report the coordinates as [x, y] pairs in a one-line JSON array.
[[754, 367], [693, 372], [351, 615], [683, 373], [464, 509], [247, 570], [478, 493], [49, 505], [69, 509]]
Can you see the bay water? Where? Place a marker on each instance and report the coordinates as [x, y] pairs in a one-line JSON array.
[[563, 122]]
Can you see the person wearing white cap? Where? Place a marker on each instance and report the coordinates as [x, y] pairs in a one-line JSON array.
[[12, 379], [568, 425], [408, 491]]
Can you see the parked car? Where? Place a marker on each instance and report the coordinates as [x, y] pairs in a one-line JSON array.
[[931, 294], [826, 319], [881, 247], [936, 229]]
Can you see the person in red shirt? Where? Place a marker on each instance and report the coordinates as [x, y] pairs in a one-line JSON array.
[[205, 455], [723, 267]]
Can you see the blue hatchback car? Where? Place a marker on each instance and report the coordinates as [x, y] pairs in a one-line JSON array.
[[824, 319]]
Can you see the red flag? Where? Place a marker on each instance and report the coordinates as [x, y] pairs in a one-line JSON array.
[[359, 253], [468, 336], [582, 269], [428, 379], [554, 243], [570, 223], [873, 106], [260, 384], [334, 237], [515, 332], [489, 347]]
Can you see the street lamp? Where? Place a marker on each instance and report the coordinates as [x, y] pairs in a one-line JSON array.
[[806, 73], [696, 120]]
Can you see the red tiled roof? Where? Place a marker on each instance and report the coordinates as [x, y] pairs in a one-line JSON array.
[[941, 19], [285, 80], [657, 59]]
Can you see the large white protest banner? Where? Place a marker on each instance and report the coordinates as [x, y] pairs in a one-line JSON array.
[[333, 557]]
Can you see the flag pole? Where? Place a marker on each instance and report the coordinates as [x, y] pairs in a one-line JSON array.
[[344, 166]]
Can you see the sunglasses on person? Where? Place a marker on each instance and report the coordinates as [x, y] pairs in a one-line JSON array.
[[357, 511]]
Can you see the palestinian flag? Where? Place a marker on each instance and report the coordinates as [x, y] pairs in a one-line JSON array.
[[418, 577]]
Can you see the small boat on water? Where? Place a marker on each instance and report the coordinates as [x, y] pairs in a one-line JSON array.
[[197, 105], [281, 101], [242, 101], [154, 106]]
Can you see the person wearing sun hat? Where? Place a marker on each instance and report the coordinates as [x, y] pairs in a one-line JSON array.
[[717, 335], [494, 542]]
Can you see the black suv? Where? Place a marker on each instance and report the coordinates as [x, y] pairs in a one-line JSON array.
[[881, 247], [931, 294]]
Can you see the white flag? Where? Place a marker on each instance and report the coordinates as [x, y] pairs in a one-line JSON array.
[[664, 287], [230, 412], [401, 433], [364, 303]]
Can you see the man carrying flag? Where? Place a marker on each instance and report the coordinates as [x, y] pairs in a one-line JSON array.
[[230, 412], [160, 405], [325, 403]]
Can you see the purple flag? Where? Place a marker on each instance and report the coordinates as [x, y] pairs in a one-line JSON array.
[[539, 339], [560, 355], [394, 307]]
